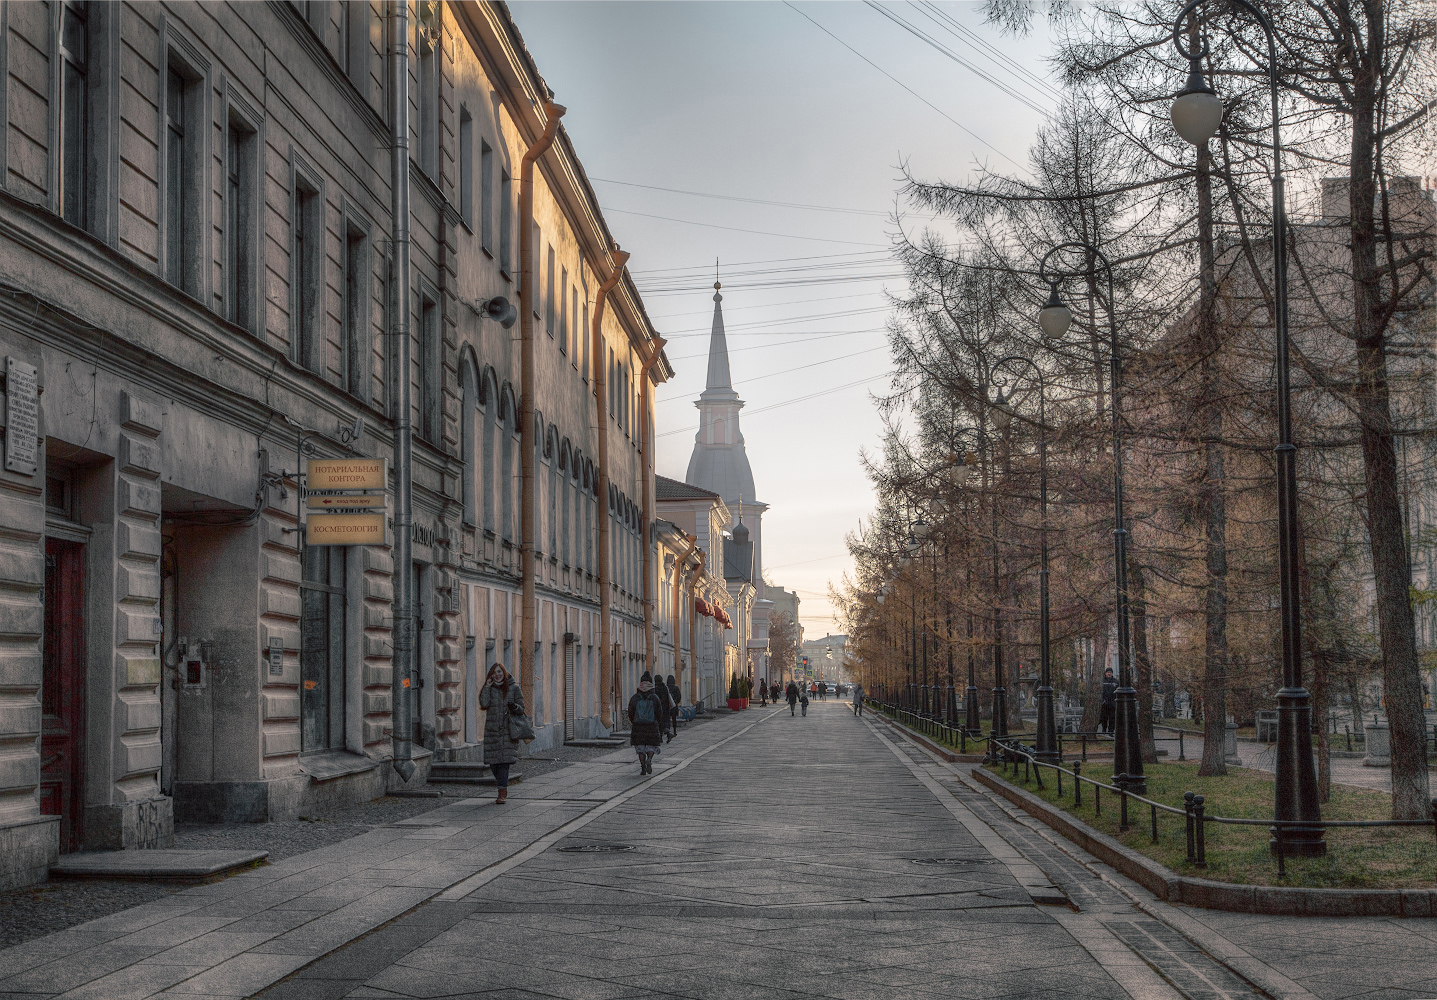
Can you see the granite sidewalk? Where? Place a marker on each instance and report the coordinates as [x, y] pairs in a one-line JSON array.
[[236, 937]]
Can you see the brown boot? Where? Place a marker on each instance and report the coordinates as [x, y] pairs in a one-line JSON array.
[[503, 797]]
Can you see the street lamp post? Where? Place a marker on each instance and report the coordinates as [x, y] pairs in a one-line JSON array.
[[1054, 319], [1047, 742], [1197, 115]]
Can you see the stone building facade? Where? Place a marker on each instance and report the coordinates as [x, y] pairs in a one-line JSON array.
[[196, 299]]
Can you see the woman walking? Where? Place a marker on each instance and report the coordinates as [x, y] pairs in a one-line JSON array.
[[666, 708], [500, 698], [645, 736], [675, 698]]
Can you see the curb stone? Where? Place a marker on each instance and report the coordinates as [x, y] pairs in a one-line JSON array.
[[1171, 887]]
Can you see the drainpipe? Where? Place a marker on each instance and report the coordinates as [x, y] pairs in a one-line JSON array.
[[693, 629], [401, 722], [678, 609], [528, 299], [651, 651], [600, 376]]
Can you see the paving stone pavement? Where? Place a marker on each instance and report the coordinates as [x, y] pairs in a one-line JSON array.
[[769, 857]]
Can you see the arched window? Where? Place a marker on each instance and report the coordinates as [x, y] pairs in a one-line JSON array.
[[508, 431], [493, 428], [471, 420], [566, 490], [551, 456]]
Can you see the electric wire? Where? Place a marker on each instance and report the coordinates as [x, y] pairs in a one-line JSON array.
[[786, 371], [790, 402], [737, 229]]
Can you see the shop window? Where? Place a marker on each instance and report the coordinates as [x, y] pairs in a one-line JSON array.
[[322, 646]]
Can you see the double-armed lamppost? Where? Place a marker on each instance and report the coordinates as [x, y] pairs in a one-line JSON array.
[[1047, 742], [1054, 319], [1197, 115]]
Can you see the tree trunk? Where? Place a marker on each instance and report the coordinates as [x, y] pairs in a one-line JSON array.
[[1215, 659], [1317, 646], [1401, 676], [1142, 663], [1093, 693]]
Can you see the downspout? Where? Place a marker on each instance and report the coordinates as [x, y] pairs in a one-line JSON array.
[[528, 299], [693, 629], [678, 609], [651, 651], [600, 376], [401, 722]]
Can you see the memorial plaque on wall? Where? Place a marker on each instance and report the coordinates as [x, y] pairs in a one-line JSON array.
[[22, 417]]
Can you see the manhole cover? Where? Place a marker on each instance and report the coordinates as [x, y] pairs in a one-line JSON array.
[[598, 848], [952, 861]]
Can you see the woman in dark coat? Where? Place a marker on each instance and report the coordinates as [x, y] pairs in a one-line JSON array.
[[645, 715], [791, 695], [676, 697], [666, 708], [500, 697]]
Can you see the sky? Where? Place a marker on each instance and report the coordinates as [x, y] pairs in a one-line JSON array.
[[781, 133]]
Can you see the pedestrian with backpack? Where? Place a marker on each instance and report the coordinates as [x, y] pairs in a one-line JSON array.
[[645, 736], [790, 694], [502, 700]]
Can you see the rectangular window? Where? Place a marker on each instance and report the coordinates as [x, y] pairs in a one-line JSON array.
[[240, 212], [466, 168], [356, 341], [306, 273], [550, 304], [428, 106], [74, 99], [176, 210], [322, 646], [486, 195], [506, 222], [536, 273], [429, 370], [578, 330]]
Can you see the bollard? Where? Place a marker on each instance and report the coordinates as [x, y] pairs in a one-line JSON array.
[[1348, 731], [1085, 746], [1122, 808], [1434, 816], [1281, 854], [1188, 815], [1077, 783], [1201, 844], [1097, 800], [1060, 783], [1155, 824], [1181, 754]]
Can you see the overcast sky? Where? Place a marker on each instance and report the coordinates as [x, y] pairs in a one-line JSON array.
[[753, 110]]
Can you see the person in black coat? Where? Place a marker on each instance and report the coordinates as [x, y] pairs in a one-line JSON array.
[[1107, 715], [666, 705], [645, 733], [676, 698], [790, 694]]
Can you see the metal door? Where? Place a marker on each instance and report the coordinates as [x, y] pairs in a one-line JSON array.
[[322, 644], [63, 690]]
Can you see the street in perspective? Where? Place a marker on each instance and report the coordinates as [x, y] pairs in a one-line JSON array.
[[701, 499]]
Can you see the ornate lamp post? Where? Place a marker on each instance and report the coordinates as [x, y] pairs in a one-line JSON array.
[[1197, 114], [1054, 319], [1047, 742]]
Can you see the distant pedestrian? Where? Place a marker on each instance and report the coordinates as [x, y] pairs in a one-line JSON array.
[[1107, 715], [675, 696], [790, 694], [666, 707], [858, 699], [803, 702], [823, 689], [500, 698], [645, 711], [763, 691]]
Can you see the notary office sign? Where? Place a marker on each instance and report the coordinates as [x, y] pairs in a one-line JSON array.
[[22, 417], [339, 474]]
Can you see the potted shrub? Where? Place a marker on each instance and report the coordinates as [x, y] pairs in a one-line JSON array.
[[736, 701]]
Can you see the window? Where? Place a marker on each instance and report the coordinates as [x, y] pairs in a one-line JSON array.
[[322, 646], [306, 273], [506, 221], [586, 337], [486, 195], [182, 259], [535, 273], [429, 369], [354, 19], [74, 118], [241, 209], [563, 300], [356, 332], [491, 429], [428, 104], [466, 168], [578, 330]]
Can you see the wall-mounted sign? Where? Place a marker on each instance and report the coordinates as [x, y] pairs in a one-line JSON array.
[[331, 501], [22, 417], [347, 474], [276, 658], [346, 529]]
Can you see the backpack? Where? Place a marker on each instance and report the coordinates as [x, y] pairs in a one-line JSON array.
[[644, 710]]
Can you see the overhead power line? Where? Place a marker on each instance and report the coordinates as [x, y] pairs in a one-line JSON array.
[[790, 402], [758, 378], [736, 229], [747, 201]]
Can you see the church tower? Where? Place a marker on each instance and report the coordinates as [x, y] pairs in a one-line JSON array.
[[719, 462]]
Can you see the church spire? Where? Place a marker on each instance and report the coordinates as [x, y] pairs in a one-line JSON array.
[[719, 383]]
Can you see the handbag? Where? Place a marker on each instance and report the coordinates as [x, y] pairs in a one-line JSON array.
[[520, 730]]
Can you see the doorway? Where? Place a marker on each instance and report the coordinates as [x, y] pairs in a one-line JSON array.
[[322, 646], [63, 690]]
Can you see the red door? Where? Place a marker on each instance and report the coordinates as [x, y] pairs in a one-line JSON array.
[[62, 694]]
